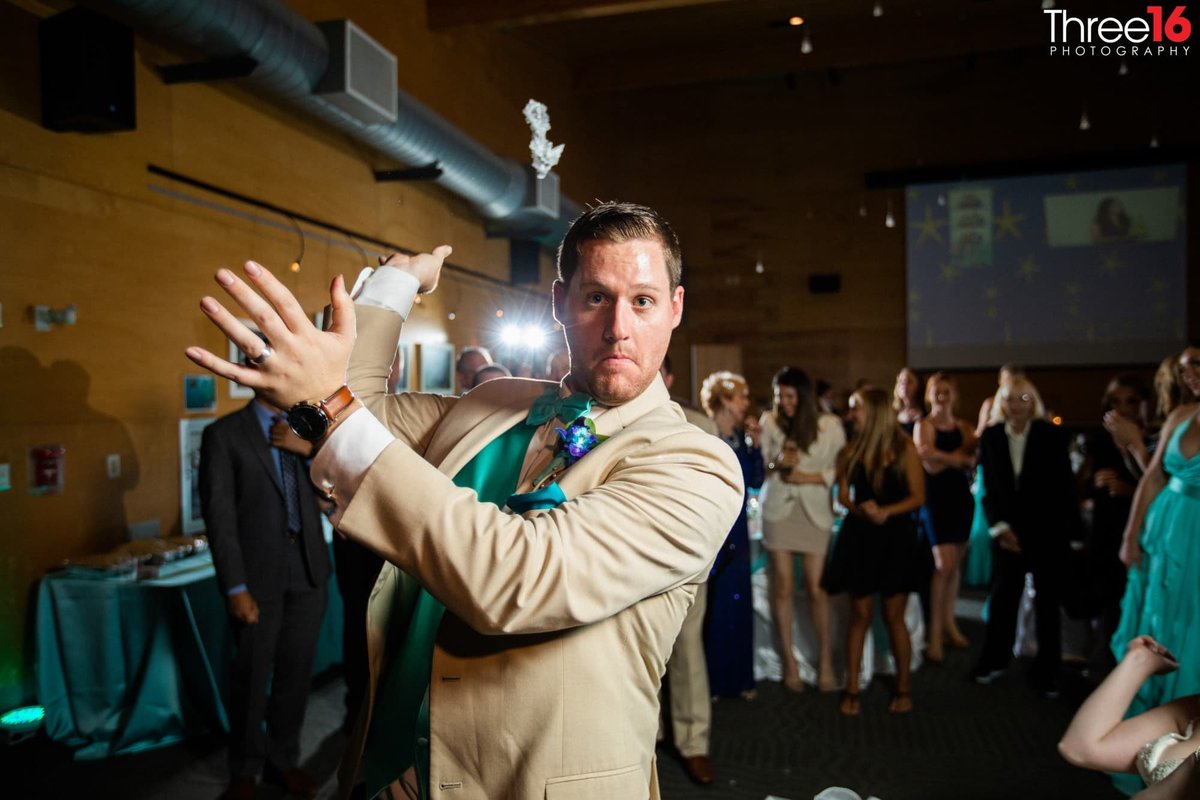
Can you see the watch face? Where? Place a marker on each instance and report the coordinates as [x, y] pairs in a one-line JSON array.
[[307, 421]]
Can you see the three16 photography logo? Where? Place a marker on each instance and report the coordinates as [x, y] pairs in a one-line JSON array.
[[1162, 31]]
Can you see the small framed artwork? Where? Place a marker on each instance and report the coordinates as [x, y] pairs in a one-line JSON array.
[[400, 378], [437, 368], [199, 393], [189, 472], [236, 390]]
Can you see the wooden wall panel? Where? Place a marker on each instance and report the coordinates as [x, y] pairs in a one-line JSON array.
[[83, 222]]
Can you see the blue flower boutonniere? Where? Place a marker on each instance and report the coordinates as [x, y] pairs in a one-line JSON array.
[[574, 442]]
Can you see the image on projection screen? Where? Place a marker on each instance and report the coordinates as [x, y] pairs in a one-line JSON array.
[[1053, 270]]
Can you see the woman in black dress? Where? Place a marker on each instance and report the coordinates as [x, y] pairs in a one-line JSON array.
[[946, 445], [880, 482]]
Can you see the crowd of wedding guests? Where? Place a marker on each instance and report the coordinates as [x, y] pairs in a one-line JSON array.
[[899, 494]]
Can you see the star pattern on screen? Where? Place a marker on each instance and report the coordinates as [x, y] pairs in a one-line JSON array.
[[1111, 263], [1028, 268], [1007, 221], [929, 227]]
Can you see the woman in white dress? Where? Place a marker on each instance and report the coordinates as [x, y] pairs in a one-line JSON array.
[[801, 445], [1161, 745]]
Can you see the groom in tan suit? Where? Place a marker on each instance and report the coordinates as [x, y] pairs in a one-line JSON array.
[[541, 676]]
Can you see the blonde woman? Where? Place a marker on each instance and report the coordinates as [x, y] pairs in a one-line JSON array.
[[802, 444], [906, 399], [729, 623], [946, 445], [880, 482]]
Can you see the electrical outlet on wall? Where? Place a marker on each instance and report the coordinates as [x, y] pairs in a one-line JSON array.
[[113, 465]]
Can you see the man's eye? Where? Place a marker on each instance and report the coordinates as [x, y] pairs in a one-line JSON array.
[[643, 302], [595, 297]]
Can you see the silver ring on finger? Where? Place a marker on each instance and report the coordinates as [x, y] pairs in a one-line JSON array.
[[266, 353]]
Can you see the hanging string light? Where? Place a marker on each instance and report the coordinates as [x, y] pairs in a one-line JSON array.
[[877, 11], [890, 219], [758, 265], [806, 44], [299, 256], [1085, 124]]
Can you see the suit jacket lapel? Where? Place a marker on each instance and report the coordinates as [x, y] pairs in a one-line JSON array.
[[1003, 459], [473, 426], [257, 443]]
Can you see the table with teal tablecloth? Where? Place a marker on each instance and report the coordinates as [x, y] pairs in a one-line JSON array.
[[125, 666]]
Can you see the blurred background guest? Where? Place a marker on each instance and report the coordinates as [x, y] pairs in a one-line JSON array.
[[558, 364], [1161, 547], [690, 701], [1033, 512], [1006, 373], [489, 372], [877, 551], [946, 445], [802, 443], [906, 399], [728, 628], [470, 359], [1108, 478]]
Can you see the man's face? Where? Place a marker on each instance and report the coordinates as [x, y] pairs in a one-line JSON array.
[[471, 363], [618, 313]]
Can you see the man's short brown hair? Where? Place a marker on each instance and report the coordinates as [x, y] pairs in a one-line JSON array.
[[619, 222]]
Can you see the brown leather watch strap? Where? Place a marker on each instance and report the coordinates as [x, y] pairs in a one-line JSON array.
[[336, 403]]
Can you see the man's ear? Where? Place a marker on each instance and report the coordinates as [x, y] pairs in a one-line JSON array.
[[558, 298], [676, 307]]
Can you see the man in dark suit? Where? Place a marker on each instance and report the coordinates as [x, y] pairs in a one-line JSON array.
[[1033, 512], [272, 565]]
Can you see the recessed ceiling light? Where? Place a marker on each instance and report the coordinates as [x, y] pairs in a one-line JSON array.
[[795, 22]]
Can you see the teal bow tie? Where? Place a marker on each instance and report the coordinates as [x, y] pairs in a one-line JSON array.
[[550, 405]]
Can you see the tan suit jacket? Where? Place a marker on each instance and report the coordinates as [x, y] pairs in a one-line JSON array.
[[548, 662]]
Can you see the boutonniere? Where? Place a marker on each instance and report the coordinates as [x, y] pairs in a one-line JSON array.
[[574, 442]]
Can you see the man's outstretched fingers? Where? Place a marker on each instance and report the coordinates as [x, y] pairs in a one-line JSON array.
[[280, 297], [218, 366], [256, 308], [234, 329]]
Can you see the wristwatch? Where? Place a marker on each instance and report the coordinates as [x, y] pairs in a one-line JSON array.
[[311, 421]]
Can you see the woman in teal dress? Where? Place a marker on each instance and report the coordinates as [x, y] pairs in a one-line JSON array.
[[1163, 556]]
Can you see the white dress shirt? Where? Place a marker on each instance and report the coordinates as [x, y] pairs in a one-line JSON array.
[[1016, 454]]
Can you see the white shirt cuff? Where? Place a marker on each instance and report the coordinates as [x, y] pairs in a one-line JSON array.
[[386, 287], [994, 531], [343, 461]]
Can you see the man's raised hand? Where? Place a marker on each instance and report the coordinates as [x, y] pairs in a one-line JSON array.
[[425, 267], [302, 363]]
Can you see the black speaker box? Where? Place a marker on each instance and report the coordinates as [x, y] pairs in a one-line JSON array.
[[825, 283], [523, 256], [87, 73]]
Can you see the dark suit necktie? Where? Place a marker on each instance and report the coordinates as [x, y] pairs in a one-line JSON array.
[[289, 467]]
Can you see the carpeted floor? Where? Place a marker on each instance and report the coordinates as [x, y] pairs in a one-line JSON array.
[[963, 741]]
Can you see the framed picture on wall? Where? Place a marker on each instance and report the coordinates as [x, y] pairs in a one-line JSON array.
[[189, 472], [437, 368], [236, 390], [403, 378]]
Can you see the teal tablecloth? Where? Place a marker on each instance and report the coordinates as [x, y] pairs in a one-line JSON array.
[[127, 666]]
